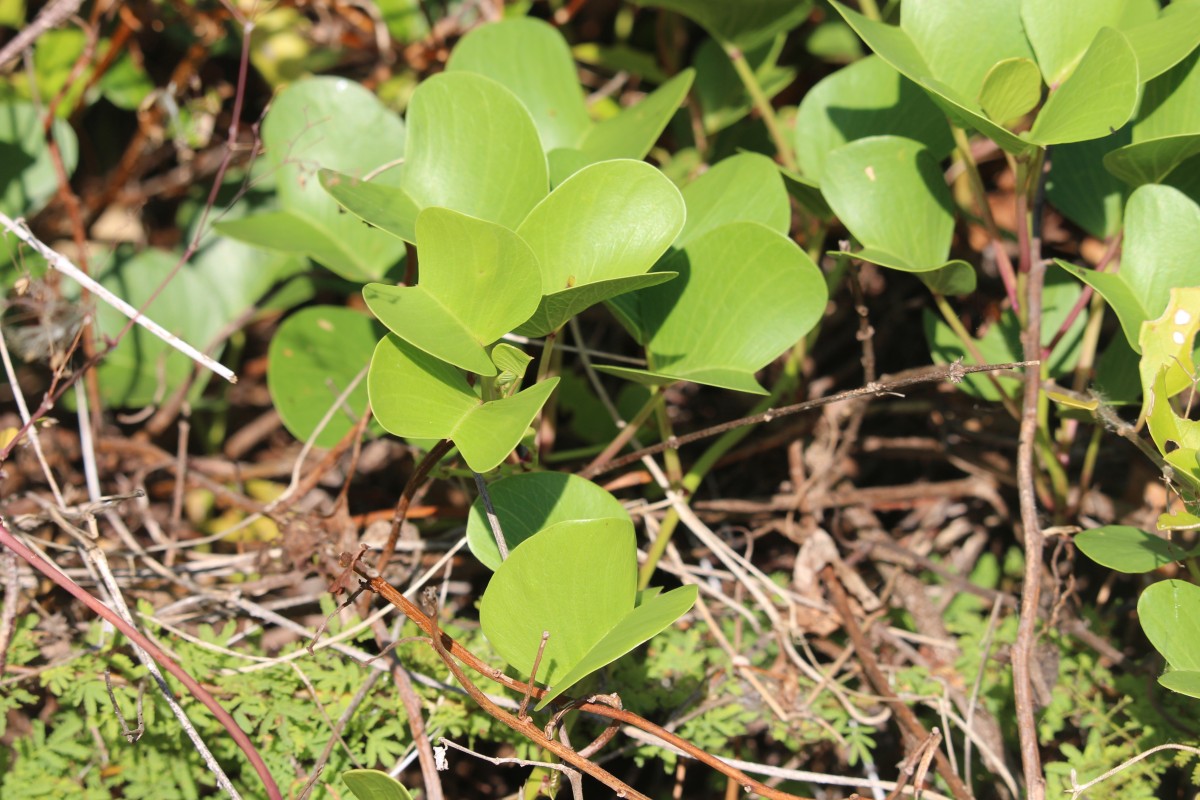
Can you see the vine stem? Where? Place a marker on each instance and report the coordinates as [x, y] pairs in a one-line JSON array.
[[763, 104], [975, 181], [154, 651]]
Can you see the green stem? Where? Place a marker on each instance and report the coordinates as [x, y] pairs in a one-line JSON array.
[[670, 456], [870, 10], [763, 104], [691, 481], [631, 428], [979, 193]]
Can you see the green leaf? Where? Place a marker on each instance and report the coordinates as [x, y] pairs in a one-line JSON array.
[[1167, 130], [526, 503], [1167, 346], [1099, 96], [1162, 43], [531, 59], [744, 24], [372, 784], [479, 281], [472, 148], [1183, 681], [313, 124], [963, 58], [1128, 549], [1162, 236], [1011, 89], [27, 176], [742, 188], [889, 192], [1169, 612], [415, 395], [597, 235], [1085, 192], [631, 133], [313, 357], [577, 580], [866, 98], [1060, 34], [744, 295]]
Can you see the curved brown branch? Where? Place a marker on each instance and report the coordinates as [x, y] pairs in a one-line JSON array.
[[447, 645]]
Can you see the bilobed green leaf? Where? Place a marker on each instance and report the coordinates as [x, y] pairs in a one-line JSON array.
[[1011, 89], [742, 188], [1100, 95], [1060, 34], [472, 148], [744, 295], [889, 192], [415, 395], [313, 357], [1167, 130], [1162, 43], [895, 46], [1169, 612], [320, 123], [631, 133], [1162, 236], [577, 580], [372, 784], [528, 502], [597, 235], [866, 98], [746, 23], [1128, 549], [478, 282], [531, 59]]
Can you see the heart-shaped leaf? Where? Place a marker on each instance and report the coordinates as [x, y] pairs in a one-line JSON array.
[[1128, 549], [964, 43], [478, 282], [1162, 236], [27, 175], [313, 357], [472, 148], [866, 98], [1099, 96], [415, 395], [577, 580], [742, 188], [1060, 35], [1170, 615], [319, 123], [744, 295], [744, 24], [889, 192], [597, 235], [1167, 130], [532, 60], [528, 502]]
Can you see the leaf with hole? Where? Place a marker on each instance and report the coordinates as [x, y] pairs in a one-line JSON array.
[[415, 395], [313, 124], [526, 503], [1162, 236], [478, 282], [597, 235], [577, 580], [472, 148], [314, 356]]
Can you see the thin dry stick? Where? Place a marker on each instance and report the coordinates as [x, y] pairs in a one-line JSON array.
[[951, 372], [1077, 790], [422, 470], [8, 612], [336, 735], [416, 723], [28, 422], [910, 726], [1023, 647], [64, 265], [571, 775], [51, 16]]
